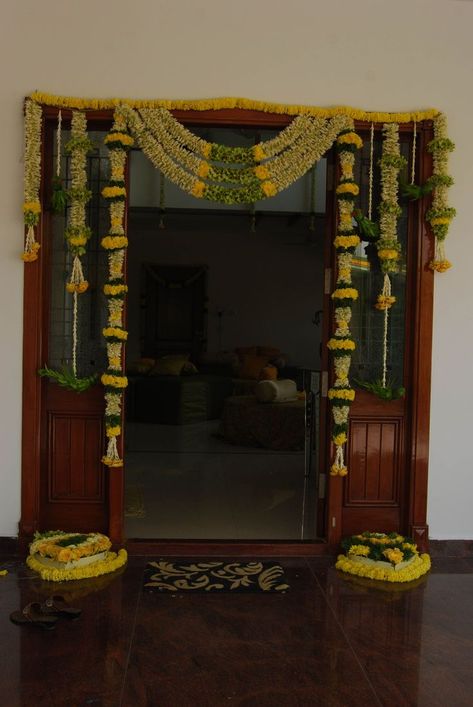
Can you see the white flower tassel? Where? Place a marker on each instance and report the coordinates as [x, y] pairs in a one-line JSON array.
[[77, 274], [338, 467], [386, 293], [370, 177], [113, 458]]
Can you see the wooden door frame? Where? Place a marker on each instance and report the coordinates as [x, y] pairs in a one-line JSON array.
[[35, 327]]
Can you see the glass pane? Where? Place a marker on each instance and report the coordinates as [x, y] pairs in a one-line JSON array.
[[367, 324]]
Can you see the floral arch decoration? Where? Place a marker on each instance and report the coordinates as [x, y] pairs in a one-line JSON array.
[[232, 175]]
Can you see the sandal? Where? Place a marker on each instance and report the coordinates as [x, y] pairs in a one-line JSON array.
[[56, 606], [32, 614]]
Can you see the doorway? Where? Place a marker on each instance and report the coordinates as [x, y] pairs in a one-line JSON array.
[[223, 305], [64, 484]]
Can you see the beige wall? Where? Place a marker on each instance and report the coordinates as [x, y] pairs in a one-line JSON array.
[[376, 54]]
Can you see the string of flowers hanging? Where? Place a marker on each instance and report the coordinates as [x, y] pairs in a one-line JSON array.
[[341, 343], [389, 248], [32, 178], [77, 232], [440, 214], [118, 142]]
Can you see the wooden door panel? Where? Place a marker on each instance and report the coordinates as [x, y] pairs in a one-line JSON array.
[[73, 479], [373, 489]]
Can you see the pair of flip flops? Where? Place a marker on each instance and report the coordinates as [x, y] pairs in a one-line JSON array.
[[45, 615]]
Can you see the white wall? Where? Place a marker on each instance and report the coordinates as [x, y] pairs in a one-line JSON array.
[[376, 54]]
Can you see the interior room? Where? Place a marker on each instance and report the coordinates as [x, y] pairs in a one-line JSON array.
[[221, 299]]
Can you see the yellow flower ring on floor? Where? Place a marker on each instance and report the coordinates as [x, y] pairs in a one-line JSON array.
[[418, 567], [110, 563]]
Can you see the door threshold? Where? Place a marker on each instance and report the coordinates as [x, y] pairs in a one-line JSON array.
[[228, 548]]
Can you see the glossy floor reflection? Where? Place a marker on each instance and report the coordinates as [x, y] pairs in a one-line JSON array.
[[332, 640]]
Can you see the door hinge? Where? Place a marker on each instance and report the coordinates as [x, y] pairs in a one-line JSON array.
[[328, 281]]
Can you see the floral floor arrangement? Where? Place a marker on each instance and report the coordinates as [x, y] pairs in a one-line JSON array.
[[58, 556], [389, 558]]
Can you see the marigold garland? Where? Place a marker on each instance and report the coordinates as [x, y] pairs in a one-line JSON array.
[[185, 158], [110, 563], [118, 142], [231, 102], [368, 554], [388, 246], [440, 214], [341, 344], [32, 178]]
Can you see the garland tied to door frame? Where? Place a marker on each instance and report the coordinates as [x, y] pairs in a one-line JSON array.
[[232, 175], [341, 344]]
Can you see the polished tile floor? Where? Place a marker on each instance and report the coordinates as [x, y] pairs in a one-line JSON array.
[[331, 641], [184, 482]]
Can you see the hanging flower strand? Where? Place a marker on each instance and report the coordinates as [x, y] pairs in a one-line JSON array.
[[77, 233], [341, 344], [440, 214], [118, 142], [32, 178], [389, 248]]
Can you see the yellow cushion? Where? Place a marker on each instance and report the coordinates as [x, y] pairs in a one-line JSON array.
[[252, 366]]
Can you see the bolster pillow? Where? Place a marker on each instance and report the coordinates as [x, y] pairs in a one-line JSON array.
[[276, 391]]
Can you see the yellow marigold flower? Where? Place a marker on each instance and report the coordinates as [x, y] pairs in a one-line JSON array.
[[114, 381], [77, 240], [262, 172], [341, 394], [114, 242], [344, 273], [388, 254], [82, 287], [115, 332], [207, 149], [346, 241], [114, 431], [350, 139], [30, 257], [116, 222], [348, 188], [114, 289], [204, 169], [385, 302], [360, 550], [111, 192], [341, 344], [440, 265], [198, 190], [269, 188], [115, 362], [440, 221], [32, 207], [394, 555], [345, 293], [124, 138], [340, 439], [108, 461], [258, 153]]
